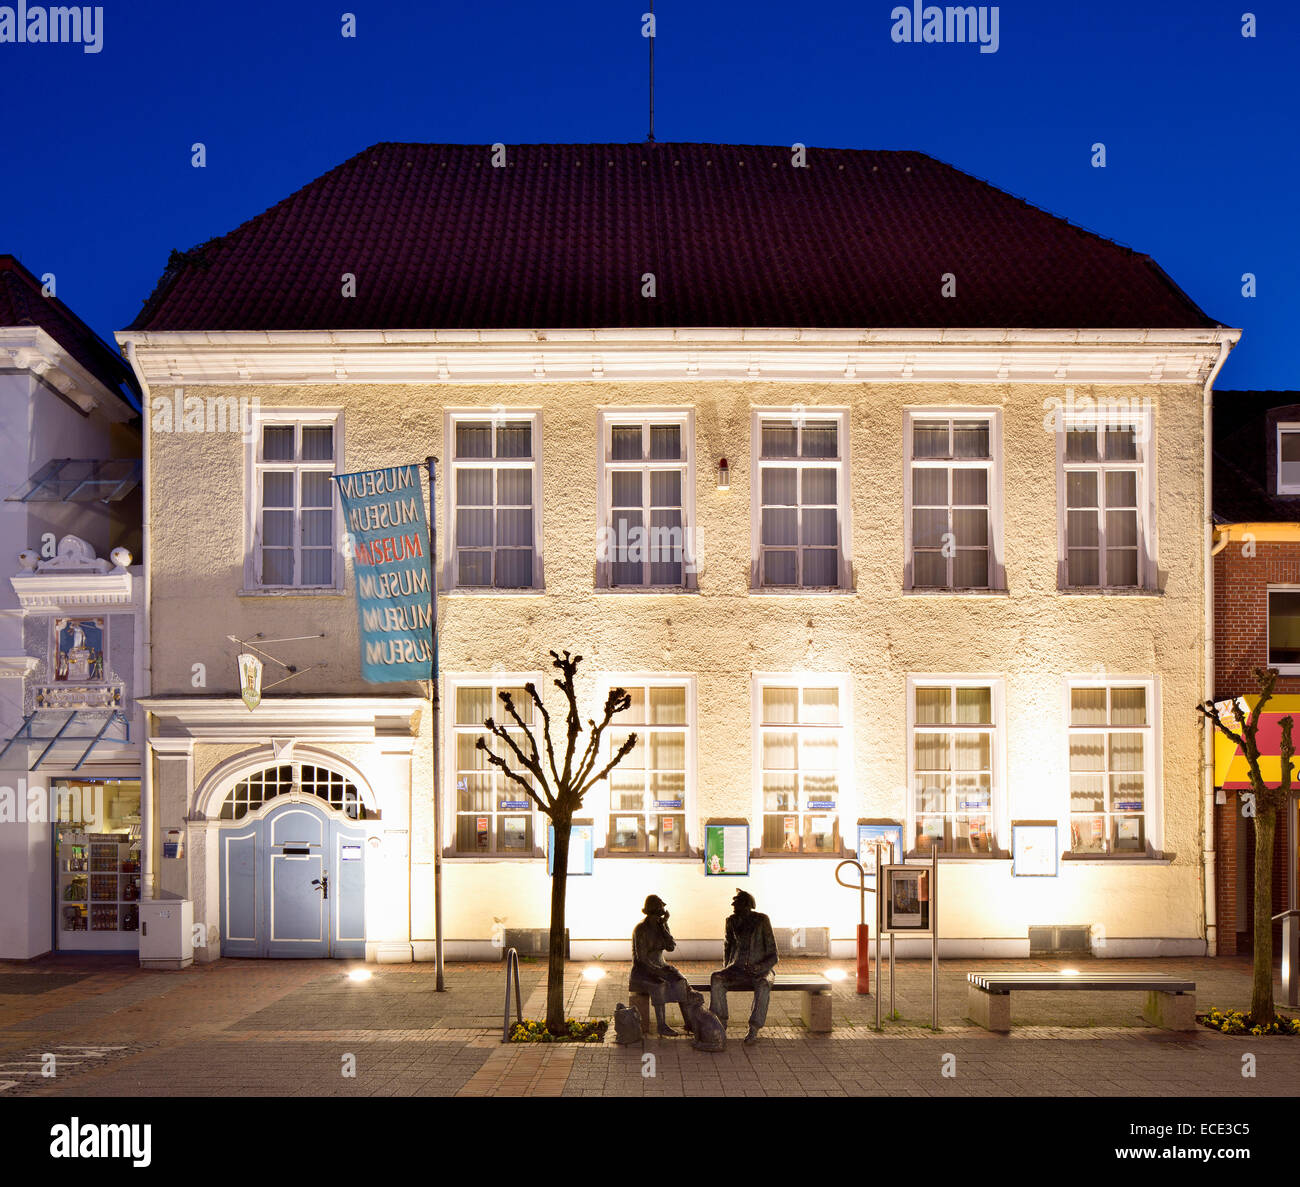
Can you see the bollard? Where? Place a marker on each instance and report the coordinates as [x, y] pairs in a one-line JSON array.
[[864, 958]]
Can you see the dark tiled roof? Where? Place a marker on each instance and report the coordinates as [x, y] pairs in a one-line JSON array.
[[22, 304], [438, 238], [1244, 444]]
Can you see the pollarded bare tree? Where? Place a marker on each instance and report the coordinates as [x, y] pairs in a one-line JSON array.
[[1266, 801], [557, 789]]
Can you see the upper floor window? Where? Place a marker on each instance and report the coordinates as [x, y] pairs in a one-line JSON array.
[[495, 501], [1105, 505], [1284, 631], [955, 764], [292, 502], [1111, 757], [492, 813], [1288, 459], [647, 494], [649, 789], [952, 515], [802, 761], [800, 500]]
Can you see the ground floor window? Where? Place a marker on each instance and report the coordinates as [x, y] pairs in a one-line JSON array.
[[647, 790], [802, 752], [97, 862], [1110, 767], [493, 813], [954, 765]]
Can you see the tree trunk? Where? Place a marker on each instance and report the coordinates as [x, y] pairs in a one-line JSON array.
[[1261, 996], [555, 966]]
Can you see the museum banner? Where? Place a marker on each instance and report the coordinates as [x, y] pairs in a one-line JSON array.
[[388, 540]]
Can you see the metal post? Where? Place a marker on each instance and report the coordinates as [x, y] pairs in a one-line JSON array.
[[435, 716], [653, 31], [934, 941], [893, 980], [880, 923]]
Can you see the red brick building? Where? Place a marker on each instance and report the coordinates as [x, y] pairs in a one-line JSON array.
[[1256, 620]]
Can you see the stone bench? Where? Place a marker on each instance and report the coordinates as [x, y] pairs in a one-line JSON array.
[[1170, 1001], [815, 1005]]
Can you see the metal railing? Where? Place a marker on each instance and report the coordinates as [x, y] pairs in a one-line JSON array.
[[512, 967]]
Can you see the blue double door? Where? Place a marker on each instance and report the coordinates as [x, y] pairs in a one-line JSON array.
[[293, 884]]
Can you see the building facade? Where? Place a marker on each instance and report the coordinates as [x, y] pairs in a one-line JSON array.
[[1257, 625], [893, 562], [70, 614]]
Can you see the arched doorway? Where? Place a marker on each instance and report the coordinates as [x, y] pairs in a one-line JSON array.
[[293, 865]]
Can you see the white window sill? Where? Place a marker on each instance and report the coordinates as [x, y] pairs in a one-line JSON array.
[[932, 592], [1286, 669], [643, 591], [1114, 860], [761, 591], [321, 591], [471, 591], [1110, 591]]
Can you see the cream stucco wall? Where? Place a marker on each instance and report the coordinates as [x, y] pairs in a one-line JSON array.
[[1032, 636]]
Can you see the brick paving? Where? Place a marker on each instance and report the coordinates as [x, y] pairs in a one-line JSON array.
[[303, 1028]]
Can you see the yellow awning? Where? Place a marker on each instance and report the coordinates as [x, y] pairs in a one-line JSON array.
[[1231, 770]]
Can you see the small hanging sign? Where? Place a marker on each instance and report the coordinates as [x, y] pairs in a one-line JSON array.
[[250, 680]]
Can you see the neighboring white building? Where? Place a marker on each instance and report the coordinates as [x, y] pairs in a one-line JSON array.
[[70, 734], [952, 576]]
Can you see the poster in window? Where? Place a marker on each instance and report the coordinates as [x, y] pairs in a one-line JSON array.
[[726, 849], [791, 834], [907, 898], [1034, 849]]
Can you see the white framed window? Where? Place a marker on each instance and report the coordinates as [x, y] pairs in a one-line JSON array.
[[1284, 629], [956, 763], [491, 815], [1112, 766], [800, 520], [953, 499], [494, 500], [1106, 505], [1288, 458], [292, 526], [652, 791], [802, 761], [646, 499]]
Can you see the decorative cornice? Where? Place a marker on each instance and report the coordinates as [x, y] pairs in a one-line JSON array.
[[184, 720], [16, 667], [30, 348], [52, 592], [235, 358]]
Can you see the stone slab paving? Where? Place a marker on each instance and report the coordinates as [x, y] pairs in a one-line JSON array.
[[303, 1028]]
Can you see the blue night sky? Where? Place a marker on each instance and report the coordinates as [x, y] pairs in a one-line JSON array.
[[1199, 123]]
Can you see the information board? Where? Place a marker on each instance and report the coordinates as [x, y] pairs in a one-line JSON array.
[[726, 849], [1034, 849], [581, 849]]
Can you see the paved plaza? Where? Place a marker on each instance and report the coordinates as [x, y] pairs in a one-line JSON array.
[[303, 1028]]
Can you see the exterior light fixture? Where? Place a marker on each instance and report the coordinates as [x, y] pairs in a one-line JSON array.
[[1069, 972], [593, 973], [724, 474], [360, 975], [835, 975]]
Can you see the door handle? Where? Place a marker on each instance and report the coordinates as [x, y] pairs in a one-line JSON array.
[[322, 884]]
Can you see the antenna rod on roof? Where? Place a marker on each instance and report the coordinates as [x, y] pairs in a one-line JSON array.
[[651, 137]]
